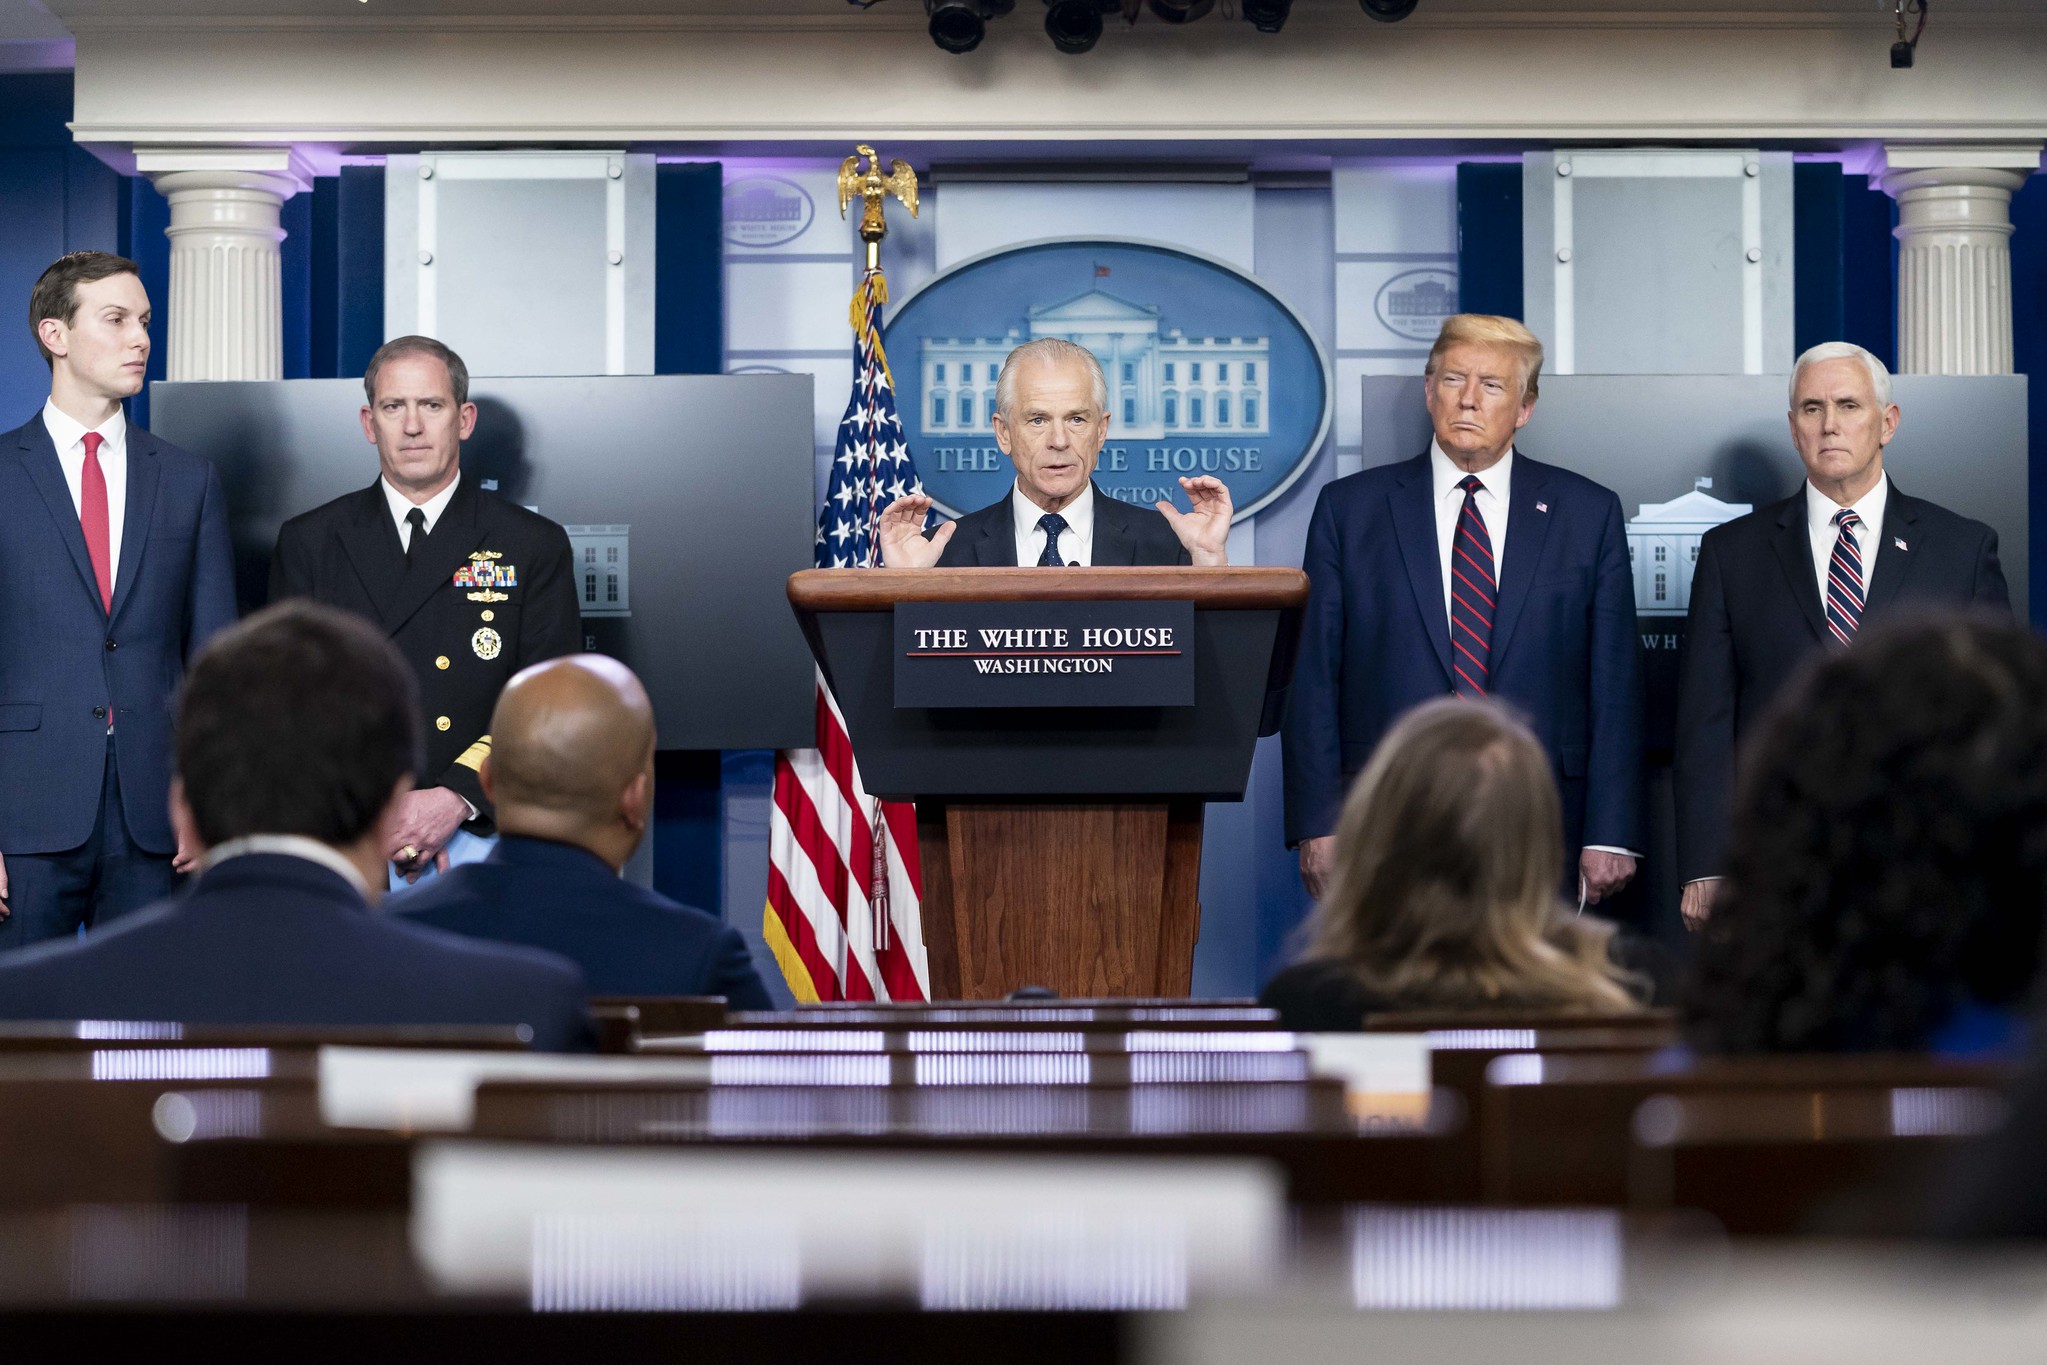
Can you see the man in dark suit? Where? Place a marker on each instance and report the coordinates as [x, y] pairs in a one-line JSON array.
[[470, 586], [571, 776], [1051, 418], [1788, 580], [1472, 569], [115, 567], [297, 736]]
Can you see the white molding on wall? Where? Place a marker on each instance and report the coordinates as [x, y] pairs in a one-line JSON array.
[[707, 79]]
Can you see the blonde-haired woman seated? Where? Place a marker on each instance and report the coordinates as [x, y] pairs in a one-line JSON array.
[[1444, 895]]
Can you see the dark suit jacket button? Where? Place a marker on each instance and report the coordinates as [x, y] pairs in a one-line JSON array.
[[99, 713], [111, 646]]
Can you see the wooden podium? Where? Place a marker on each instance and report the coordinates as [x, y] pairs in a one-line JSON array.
[[1061, 845]]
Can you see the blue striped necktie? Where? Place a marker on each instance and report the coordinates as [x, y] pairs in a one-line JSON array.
[[1844, 579], [1474, 584]]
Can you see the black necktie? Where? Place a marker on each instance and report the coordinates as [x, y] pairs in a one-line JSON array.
[[1051, 524], [416, 519]]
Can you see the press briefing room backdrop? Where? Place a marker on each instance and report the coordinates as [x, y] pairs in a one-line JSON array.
[[1257, 227]]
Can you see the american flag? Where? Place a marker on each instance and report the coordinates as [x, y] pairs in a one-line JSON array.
[[843, 880]]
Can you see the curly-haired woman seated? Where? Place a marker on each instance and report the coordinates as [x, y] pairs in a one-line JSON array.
[[1449, 853], [1888, 867]]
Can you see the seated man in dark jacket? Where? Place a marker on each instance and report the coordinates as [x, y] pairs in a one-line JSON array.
[[297, 738], [571, 774]]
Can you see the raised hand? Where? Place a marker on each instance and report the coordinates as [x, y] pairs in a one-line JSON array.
[[901, 531], [1205, 531]]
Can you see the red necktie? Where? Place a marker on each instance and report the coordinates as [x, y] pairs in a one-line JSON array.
[[93, 516]]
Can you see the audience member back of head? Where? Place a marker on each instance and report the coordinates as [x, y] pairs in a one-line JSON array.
[[1449, 852], [1888, 867], [297, 734], [571, 774]]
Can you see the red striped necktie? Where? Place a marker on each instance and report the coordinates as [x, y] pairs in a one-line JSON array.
[[1844, 579], [96, 521], [1474, 584]]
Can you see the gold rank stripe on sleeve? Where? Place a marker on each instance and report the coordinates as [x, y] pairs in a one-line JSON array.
[[473, 756]]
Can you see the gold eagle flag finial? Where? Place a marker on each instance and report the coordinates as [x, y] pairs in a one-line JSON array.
[[872, 187]]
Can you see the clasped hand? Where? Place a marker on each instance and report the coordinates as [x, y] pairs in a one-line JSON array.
[[427, 818]]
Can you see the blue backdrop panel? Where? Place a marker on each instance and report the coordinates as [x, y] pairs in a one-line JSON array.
[[145, 215], [1489, 238], [2029, 352], [689, 269], [1869, 268], [1816, 253], [295, 283], [323, 306], [54, 198], [359, 267]]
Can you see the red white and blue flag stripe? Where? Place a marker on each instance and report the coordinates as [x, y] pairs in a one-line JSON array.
[[844, 884]]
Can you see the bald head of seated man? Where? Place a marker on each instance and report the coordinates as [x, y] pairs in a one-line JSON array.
[[572, 757], [571, 774]]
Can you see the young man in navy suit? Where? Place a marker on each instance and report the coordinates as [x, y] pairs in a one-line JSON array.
[[298, 734], [1476, 571], [1051, 418], [571, 774], [1787, 581], [115, 567]]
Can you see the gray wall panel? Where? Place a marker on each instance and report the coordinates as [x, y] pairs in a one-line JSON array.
[[711, 473]]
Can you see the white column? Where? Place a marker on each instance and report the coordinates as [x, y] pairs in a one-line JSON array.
[[1954, 253], [225, 314]]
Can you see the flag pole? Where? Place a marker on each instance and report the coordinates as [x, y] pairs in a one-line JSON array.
[[872, 188]]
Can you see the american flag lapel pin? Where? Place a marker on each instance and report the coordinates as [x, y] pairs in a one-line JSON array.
[[1542, 507], [1899, 541]]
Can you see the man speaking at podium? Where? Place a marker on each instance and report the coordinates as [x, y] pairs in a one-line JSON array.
[[1051, 417]]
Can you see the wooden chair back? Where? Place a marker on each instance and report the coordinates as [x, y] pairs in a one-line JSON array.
[[1860, 1161]]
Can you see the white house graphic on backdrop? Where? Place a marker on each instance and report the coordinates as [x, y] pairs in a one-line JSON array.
[[1663, 547], [602, 559], [1160, 384]]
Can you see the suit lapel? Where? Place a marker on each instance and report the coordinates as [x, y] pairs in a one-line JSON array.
[[1115, 543], [433, 567], [372, 546], [39, 457], [1893, 561], [1794, 555], [1411, 503], [996, 548], [136, 518], [1528, 521]]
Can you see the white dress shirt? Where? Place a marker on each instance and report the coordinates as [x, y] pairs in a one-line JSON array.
[[1076, 542], [401, 507], [1498, 486], [1819, 524], [291, 846], [1496, 489], [68, 435]]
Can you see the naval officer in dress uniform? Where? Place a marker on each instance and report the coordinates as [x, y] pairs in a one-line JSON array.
[[469, 586]]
